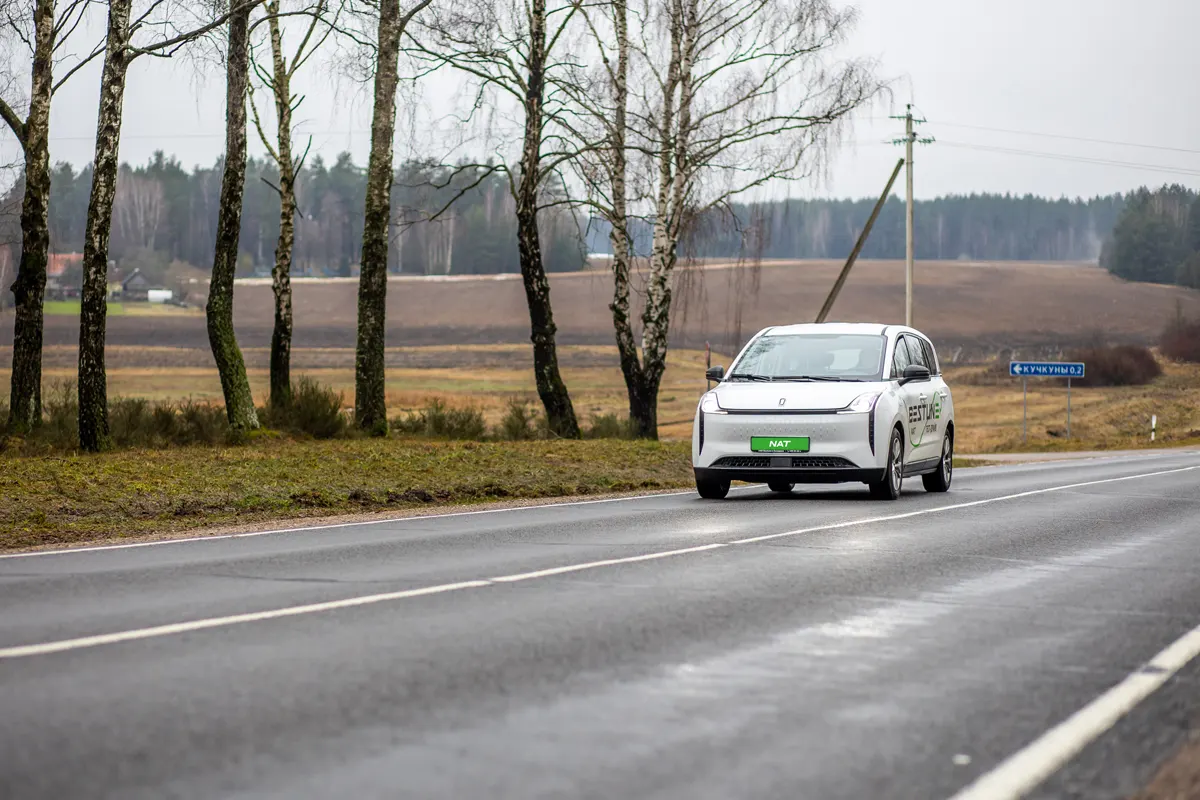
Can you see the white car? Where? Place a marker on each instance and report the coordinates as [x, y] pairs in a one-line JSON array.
[[827, 403]]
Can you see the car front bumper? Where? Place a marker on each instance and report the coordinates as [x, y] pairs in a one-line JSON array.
[[842, 448]]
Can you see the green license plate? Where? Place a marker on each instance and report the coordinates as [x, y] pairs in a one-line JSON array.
[[777, 444]]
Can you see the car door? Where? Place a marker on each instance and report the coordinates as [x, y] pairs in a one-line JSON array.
[[901, 358], [943, 405], [917, 397]]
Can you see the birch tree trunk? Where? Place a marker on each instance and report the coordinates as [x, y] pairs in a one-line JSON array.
[[93, 386], [560, 414], [674, 177], [29, 289], [281, 280], [370, 404], [239, 402], [642, 414]]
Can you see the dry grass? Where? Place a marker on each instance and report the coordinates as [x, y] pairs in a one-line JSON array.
[[488, 377], [485, 376], [989, 416]]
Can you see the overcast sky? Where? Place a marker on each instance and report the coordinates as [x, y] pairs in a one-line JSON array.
[[985, 74]]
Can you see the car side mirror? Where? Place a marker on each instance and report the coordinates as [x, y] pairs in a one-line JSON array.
[[914, 372], [716, 373]]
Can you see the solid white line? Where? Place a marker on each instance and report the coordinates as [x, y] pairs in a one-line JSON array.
[[216, 622], [1028, 767], [415, 517], [184, 627], [545, 573]]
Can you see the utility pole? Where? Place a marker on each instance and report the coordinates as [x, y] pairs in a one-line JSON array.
[[910, 136]]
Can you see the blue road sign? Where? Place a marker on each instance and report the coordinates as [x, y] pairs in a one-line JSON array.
[[1046, 369]]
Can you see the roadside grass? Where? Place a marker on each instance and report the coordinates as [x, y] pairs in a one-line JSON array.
[[52, 500], [961, 463]]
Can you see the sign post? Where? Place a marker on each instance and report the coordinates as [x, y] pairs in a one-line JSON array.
[[1024, 409], [1044, 369]]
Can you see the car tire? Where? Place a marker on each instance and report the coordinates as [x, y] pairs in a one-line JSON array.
[[780, 486], [888, 486], [712, 488], [940, 481]]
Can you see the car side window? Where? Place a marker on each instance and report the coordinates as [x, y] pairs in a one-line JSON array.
[[901, 358], [930, 357], [916, 353]]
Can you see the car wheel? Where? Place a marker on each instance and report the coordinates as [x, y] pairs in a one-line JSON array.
[[888, 487], [712, 488], [780, 486], [940, 481]]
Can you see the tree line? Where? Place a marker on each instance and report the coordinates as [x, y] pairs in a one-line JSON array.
[[658, 110], [1157, 238], [164, 214]]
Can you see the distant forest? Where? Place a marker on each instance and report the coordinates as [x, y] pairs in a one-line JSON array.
[[165, 216], [1157, 238]]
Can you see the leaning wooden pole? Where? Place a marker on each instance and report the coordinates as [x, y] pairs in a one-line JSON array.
[[858, 246]]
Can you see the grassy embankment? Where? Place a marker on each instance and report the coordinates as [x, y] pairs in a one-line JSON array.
[[46, 500]]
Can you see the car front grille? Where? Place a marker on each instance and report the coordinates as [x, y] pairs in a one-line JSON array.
[[797, 462], [753, 462], [820, 462]]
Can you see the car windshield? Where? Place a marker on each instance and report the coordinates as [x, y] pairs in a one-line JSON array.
[[811, 356]]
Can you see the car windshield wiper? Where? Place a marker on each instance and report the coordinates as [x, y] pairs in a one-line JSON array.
[[832, 378], [747, 376]]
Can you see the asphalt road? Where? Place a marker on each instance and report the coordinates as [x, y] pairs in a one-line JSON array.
[[864, 650]]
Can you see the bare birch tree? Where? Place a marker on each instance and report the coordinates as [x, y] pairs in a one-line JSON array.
[[278, 81], [512, 50], [235, 385], [370, 403], [732, 95], [120, 51], [43, 26]]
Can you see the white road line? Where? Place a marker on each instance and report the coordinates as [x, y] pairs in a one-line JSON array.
[[217, 622], [1028, 767], [546, 573], [184, 627]]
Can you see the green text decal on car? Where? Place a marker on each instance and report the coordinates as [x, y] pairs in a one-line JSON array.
[[770, 444]]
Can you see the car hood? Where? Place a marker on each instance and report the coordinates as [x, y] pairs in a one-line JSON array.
[[790, 396]]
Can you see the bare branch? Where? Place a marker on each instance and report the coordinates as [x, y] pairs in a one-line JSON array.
[[14, 122]]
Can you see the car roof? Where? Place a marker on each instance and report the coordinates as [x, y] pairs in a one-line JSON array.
[[869, 328]]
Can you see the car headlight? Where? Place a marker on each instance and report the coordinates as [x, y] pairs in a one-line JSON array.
[[863, 403], [709, 404]]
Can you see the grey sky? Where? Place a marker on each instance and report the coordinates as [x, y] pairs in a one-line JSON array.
[[1098, 69]]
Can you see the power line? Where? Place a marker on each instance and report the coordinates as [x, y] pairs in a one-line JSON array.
[[1078, 159], [1070, 138]]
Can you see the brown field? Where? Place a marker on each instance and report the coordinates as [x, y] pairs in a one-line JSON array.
[[969, 308]]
